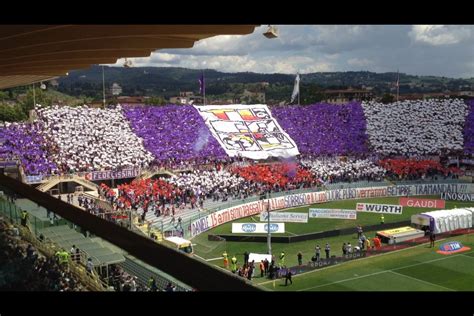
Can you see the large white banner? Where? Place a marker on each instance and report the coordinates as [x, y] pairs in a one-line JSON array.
[[332, 213], [289, 217], [210, 221], [248, 131], [258, 228], [379, 208]]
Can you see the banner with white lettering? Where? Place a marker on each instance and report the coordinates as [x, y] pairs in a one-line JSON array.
[[295, 200], [422, 203], [464, 197], [332, 213], [285, 217], [247, 130], [257, 228], [379, 208], [108, 175]]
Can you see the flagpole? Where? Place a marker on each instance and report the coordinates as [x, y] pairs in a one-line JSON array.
[[204, 87], [398, 84], [299, 91]]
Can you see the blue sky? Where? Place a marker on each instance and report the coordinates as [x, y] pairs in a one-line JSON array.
[[440, 50]]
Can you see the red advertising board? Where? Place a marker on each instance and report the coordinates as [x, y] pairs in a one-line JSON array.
[[423, 203]]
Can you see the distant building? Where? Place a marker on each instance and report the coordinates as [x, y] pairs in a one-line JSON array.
[[252, 97], [132, 100], [348, 95], [425, 96], [187, 98]]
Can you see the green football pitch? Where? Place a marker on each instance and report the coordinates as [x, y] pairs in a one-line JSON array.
[[211, 251], [419, 268]]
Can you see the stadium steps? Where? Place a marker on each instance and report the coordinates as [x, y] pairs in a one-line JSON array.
[[44, 187], [64, 237], [144, 271]]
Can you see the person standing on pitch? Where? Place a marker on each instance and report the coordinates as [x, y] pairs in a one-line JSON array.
[[318, 253], [234, 264], [282, 259], [288, 277], [327, 249], [226, 259], [382, 219], [300, 258], [432, 239]]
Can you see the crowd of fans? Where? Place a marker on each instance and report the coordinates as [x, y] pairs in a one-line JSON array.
[[174, 132], [24, 268], [469, 129], [82, 139], [278, 176], [25, 141], [414, 128], [92, 139], [343, 169], [325, 129], [412, 169]]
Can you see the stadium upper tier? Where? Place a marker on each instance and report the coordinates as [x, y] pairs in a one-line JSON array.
[[67, 139]]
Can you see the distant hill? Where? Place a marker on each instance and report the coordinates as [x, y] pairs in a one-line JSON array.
[[168, 81]]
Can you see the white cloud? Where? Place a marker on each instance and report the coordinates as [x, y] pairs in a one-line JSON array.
[[420, 50], [440, 34]]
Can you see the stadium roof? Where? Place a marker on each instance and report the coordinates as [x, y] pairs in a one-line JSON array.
[[34, 53]]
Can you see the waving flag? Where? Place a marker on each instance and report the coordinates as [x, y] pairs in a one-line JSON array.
[[296, 89], [202, 86]]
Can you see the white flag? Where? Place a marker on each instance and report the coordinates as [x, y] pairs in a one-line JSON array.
[[296, 89]]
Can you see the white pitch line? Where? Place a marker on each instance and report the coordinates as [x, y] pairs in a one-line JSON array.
[[215, 259], [379, 272], [358, 260], [420, 280]]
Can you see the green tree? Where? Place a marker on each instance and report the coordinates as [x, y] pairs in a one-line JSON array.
[[41, 97], [387, 98], [11, 113], [156, 100]]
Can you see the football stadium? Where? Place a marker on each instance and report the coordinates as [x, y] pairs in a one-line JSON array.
[[362, 195]]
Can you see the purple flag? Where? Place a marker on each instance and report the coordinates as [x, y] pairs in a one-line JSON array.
[[202, 85]]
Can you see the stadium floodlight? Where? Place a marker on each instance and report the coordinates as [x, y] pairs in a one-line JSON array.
[[272, 32], [127, 63]]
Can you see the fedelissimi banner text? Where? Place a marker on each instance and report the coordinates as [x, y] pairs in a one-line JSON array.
[[294, 200]]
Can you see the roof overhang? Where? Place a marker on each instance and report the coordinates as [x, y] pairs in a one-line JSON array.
[[33, 53]]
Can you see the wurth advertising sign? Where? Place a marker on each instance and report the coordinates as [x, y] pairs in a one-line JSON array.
[[379, 208], [422, 203]]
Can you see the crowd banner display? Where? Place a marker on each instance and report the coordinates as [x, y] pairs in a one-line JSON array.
[[248, 131], [257, 228], [212, 220], [379, 208], [422, 203], [464, 197], [332, 213], [285, 217], [108, 175]]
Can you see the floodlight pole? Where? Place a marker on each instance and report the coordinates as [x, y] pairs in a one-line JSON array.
[[269, 235], [34, 96], [103, 86]]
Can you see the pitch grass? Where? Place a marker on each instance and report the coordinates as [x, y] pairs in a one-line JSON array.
[[418, 268], [213, 249]]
